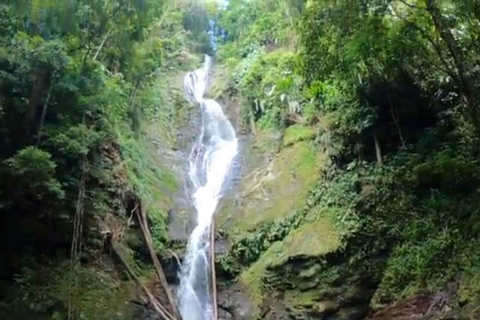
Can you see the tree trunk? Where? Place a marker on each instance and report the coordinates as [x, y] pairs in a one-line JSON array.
[[34, 102], [76, 237], [100, 47], [143, 221], [44, 114], [378, 150], [458, 59], [395, 121], [159, 308]]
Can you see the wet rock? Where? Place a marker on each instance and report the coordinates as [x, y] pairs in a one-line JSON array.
[[221, 246], [224, 314], [143, 312], [171, 267], [234, 303], [324, 308], [278, 311], [274, 190]]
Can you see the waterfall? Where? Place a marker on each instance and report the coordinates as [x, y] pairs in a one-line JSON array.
[[210, 161]]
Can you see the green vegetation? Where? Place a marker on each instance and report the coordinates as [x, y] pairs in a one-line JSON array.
[[362, 176], [81, 85], [97, 293], [387, 93], [297, 133]]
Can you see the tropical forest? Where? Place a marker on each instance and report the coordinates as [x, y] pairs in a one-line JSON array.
[[239, 159]]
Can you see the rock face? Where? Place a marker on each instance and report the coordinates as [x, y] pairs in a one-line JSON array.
[[278, 251], [142, 312], [280, 256], [233, 303], [274, 186]]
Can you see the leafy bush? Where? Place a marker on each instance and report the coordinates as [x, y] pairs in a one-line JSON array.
[[427, 264], [448, 172], [268, 84], [33, 171]]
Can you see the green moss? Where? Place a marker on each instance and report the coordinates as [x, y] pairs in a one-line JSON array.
[[309, 300], [277, 190], [310, 272], [339, 217], [267, 141], [144, 176], [253, 281], [470, 284], [311, 240], [298, 133], [150, 179], [302, 299], [293, 174]]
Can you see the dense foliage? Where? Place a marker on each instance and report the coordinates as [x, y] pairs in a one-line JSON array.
[[386, 90], [78, 82], [392, 90]]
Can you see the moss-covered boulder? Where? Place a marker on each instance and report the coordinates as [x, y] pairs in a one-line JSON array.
[[273, 191], [310, 241], [308, 274]]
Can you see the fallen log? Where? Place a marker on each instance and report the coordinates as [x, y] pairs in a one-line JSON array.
[[159, 308], [141, 212]]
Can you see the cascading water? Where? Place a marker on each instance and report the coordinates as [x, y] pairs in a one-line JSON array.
[[210, 161]]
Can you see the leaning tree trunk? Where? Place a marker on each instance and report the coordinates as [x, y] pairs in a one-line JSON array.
[[141, 211], [156, 305], [378, 149]]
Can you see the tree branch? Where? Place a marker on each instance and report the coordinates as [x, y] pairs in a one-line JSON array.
[[448, 69], [102, 44]]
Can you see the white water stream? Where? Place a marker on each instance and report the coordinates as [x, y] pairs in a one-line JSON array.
[[210, 160]]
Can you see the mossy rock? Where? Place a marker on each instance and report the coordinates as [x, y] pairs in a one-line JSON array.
[[274, 191], [298, 133], [309, 302], [312, 240]]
